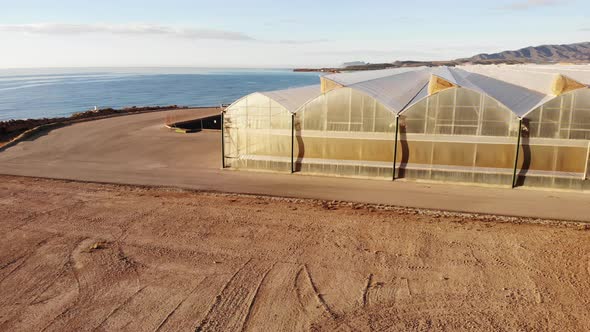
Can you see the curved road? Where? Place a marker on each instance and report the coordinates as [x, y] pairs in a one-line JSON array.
[[138, 149]]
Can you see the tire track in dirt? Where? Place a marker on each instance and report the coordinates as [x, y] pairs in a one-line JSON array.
[[167, 317], [105, 281], [518, 254], [427, 273], [7, 264], [31, 218], [428, 314], [187, 315], [37, 271], [309, 297], [127, 301], [534, 275], [277, 307], [71, 264], [62, 271], [22, 258], [154, 306], [230, 310], [365, 299], [42, 281], [251, 306]]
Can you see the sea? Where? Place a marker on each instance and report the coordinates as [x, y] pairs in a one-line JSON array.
[[56, 92]]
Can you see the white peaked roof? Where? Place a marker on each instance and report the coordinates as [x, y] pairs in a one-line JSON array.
[[423, 93], [398, 89], [349, 78], [395, 91], [516, 98], [293, 98], [521, 88]]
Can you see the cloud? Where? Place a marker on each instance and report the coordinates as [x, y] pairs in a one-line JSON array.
[[298, 42], [529, 4], [285, 21], [125, 29], [142, 29]]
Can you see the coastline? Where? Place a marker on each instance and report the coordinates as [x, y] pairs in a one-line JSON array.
[[13, 131]]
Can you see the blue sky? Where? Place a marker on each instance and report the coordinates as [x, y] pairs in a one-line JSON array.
[[63, 33]]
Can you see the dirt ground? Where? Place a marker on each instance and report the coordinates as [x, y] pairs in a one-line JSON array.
[[79, 256]]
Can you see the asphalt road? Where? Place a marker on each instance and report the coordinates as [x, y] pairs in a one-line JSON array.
[[138, 149]]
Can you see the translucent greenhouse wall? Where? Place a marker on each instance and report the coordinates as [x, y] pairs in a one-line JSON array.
[[556, 143], [345, 133], [458, 135], [257, 134], [453, 135]]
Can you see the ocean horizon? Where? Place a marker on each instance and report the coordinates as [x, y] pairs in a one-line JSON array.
[[55, 92]]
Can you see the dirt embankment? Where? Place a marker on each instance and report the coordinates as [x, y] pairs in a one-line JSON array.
[[78, 256], [12, 128]]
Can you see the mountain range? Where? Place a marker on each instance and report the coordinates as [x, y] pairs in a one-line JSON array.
[[579, 52], [568, 53]]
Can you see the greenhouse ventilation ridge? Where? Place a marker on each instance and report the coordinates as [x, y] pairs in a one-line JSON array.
[[519, 125]]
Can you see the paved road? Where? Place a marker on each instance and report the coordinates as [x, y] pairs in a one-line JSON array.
[[137, 149]]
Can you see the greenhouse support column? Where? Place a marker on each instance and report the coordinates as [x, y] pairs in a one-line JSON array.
[[222, 142], [587, 161], [395, 145], [517, 152], [292, 141]]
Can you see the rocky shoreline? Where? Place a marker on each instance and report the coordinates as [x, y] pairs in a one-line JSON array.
[[11, 129]]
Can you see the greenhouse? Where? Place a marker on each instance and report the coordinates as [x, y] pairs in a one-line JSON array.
[[496, 125], [555, 140], [257, 129]]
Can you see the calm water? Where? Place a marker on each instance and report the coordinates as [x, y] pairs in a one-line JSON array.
[[37, 93]]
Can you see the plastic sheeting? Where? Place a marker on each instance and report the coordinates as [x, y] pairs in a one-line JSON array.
[[345, 133], [556, 143], [395, 92], [291, 99], [458, 135], [465, 129], [257, 134], [516, 98], [350, 78], [565, 117]]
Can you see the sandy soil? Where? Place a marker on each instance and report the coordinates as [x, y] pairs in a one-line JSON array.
[[78, 256]]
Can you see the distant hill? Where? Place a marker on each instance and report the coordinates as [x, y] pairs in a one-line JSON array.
[[576, 53], [579, 52], [353, 63]]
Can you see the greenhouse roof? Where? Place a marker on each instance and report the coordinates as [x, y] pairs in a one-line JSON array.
[[293, 98], [349, 78], [520, 88], [395, 91], [518, 99]]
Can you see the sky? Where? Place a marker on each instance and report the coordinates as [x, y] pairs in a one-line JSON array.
[[275, 34]]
